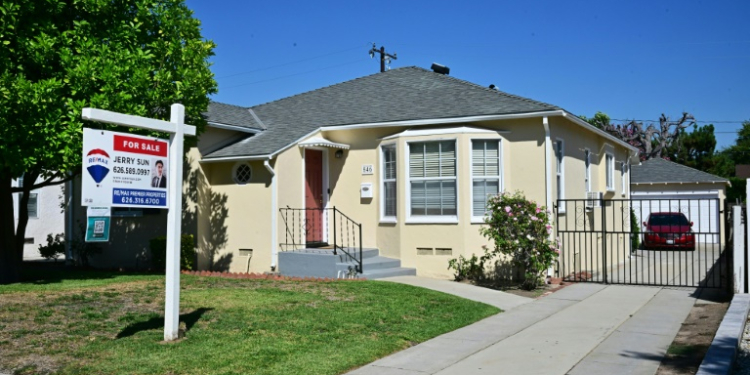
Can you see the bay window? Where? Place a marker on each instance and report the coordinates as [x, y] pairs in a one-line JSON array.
[[432, 179]]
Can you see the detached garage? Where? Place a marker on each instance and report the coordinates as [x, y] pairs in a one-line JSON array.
[[659, 185]]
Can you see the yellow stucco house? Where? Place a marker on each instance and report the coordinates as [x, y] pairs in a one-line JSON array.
[[399, 163]]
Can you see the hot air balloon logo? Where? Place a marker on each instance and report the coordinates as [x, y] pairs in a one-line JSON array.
[[98, 162]]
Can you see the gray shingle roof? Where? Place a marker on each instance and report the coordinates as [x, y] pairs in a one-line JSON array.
[[228, 114], [402, 94], [658, 170]]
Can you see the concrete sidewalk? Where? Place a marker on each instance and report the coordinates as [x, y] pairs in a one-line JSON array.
[[581, 329], [501, 300]]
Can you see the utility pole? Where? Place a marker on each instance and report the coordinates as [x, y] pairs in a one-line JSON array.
[[385, 58]]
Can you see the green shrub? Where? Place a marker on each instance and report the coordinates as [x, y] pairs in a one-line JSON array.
[[82, 250], [467, 269], [55, 246], [635, 230], [158, 247], [521, 230]]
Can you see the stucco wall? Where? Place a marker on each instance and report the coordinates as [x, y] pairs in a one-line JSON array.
[[239, 217], [583, 251]]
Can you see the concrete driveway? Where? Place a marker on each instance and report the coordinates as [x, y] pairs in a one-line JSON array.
[[581, 329]]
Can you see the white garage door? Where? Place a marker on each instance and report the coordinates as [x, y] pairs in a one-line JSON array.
[[701, 209]]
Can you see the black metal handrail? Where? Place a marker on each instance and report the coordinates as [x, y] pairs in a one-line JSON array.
[[315, 227]]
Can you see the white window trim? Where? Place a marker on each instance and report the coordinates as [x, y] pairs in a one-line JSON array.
[[625, 168], [560, 209], [434, 219], [387, 219], [587, 166], [609, 171], [501, 187], [444, 131]]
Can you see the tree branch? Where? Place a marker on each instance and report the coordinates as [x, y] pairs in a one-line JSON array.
[[50, 181]]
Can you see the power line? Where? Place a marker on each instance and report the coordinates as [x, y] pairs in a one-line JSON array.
[[292, 75], [290, 63], [701, 121]]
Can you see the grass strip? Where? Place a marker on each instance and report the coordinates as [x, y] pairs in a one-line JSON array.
[[114, 325]]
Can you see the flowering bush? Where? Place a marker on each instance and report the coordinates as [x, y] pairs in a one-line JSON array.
[[520, 229]]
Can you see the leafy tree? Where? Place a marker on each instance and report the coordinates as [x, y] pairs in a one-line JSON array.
[[694, 149], [739, 153], [59, 56], [600, 120], [728, 158]]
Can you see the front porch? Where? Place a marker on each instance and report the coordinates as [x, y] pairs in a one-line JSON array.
[[327, 243], [322, 262]]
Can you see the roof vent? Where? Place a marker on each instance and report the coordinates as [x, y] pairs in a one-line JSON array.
[[493, 87], [441, 69]]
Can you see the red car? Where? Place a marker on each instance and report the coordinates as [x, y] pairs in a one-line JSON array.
[[668, 230]]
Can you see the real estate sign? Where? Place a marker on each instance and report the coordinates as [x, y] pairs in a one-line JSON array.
[[124, 170]]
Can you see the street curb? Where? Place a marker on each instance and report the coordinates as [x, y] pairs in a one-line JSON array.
[[723, 349]]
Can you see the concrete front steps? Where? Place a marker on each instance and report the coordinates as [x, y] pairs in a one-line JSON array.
[[322, 263]]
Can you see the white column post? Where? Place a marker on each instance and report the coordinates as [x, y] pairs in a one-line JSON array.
[[548, 183], [739, 251], [174, 226]]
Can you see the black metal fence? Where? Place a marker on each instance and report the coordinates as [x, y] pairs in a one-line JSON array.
[[664, 242], [322, 228]]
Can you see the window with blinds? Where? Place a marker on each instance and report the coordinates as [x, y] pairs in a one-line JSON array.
[[432, 178], [485, 171], [33, 206], [389, 181]]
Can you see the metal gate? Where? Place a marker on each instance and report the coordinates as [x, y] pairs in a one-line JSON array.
[[661, 242]]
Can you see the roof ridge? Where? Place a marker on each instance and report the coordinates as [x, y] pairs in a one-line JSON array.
[[496, 91], [328, 86]]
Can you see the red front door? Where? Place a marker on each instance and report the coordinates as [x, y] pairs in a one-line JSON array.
[[314, 196]]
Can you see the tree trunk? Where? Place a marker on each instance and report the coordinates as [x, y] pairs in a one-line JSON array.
[[10, 261], [29, 179]]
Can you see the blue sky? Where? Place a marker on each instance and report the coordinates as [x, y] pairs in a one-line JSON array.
[[629, 59]]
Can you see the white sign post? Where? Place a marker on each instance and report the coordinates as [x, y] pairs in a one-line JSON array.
[[177, 129]]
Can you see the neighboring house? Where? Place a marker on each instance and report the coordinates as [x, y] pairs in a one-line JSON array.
[[46, 216], [410, 154], [659, 185]]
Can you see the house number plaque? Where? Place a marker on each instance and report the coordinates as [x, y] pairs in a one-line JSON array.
[[366, 169]]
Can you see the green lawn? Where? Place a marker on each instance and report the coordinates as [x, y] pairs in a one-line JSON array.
[[113, 324]]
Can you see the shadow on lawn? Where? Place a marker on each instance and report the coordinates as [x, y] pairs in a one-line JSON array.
[[41, 273], [156, 323]]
